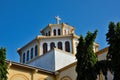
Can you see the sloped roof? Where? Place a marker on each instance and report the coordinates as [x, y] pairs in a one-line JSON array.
[[54, 60], [102, 51], [26, 66]]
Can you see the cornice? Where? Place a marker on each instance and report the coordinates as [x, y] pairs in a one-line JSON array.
[[75, 36], [96, 44], [45, 28], [63, 24], [49, 25], [45, 37], [52, 25], [70, 35], [19, 49]]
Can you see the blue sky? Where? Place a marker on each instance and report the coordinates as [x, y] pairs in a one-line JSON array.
[[22, 20]]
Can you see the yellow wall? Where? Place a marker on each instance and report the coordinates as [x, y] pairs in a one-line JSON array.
[[39, 76], [22, 73]]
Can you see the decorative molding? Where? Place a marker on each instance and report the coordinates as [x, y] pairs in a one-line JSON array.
[[66, 78], [19, 75], [19, 49]]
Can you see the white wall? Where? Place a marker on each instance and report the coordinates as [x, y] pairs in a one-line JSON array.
[[32, 45], [55, 40]]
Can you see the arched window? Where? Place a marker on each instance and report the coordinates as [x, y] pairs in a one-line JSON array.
[[44, 48], [36, 50], [52, 45], [59, 32], [60, 45], [54, 32], [67, 46], [46, 34], [31, 53], [18, 77], [23, 57], [28, 55], [49, 33]]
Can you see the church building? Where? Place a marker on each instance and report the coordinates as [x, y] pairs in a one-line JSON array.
[[50, 56]]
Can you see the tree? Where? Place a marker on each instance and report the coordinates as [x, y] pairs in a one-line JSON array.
[[102, 66], [3, 65], [86, 58], [113, 39]]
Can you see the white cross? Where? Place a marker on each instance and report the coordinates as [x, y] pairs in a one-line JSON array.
[[58, 19]]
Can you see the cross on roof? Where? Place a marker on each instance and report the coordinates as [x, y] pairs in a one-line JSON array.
[[57, 19]]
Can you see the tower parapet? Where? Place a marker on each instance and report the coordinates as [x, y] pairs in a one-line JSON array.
[[60, 36]]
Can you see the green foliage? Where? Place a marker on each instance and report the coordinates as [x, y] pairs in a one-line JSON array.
[[110, 39], [113, 39], [3, 65], [87, 65], [103, 66], [86, 58]]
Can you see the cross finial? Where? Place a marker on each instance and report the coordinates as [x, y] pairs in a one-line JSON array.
[[57, 19]]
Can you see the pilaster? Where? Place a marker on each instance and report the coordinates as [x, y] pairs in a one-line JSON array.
[[73, 45], [9, 65], [33, 74], [57, 74], [38, 41], [62, 28], [21, 57], [50, 29]]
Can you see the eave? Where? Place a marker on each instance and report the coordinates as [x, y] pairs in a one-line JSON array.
[[28, 67]]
